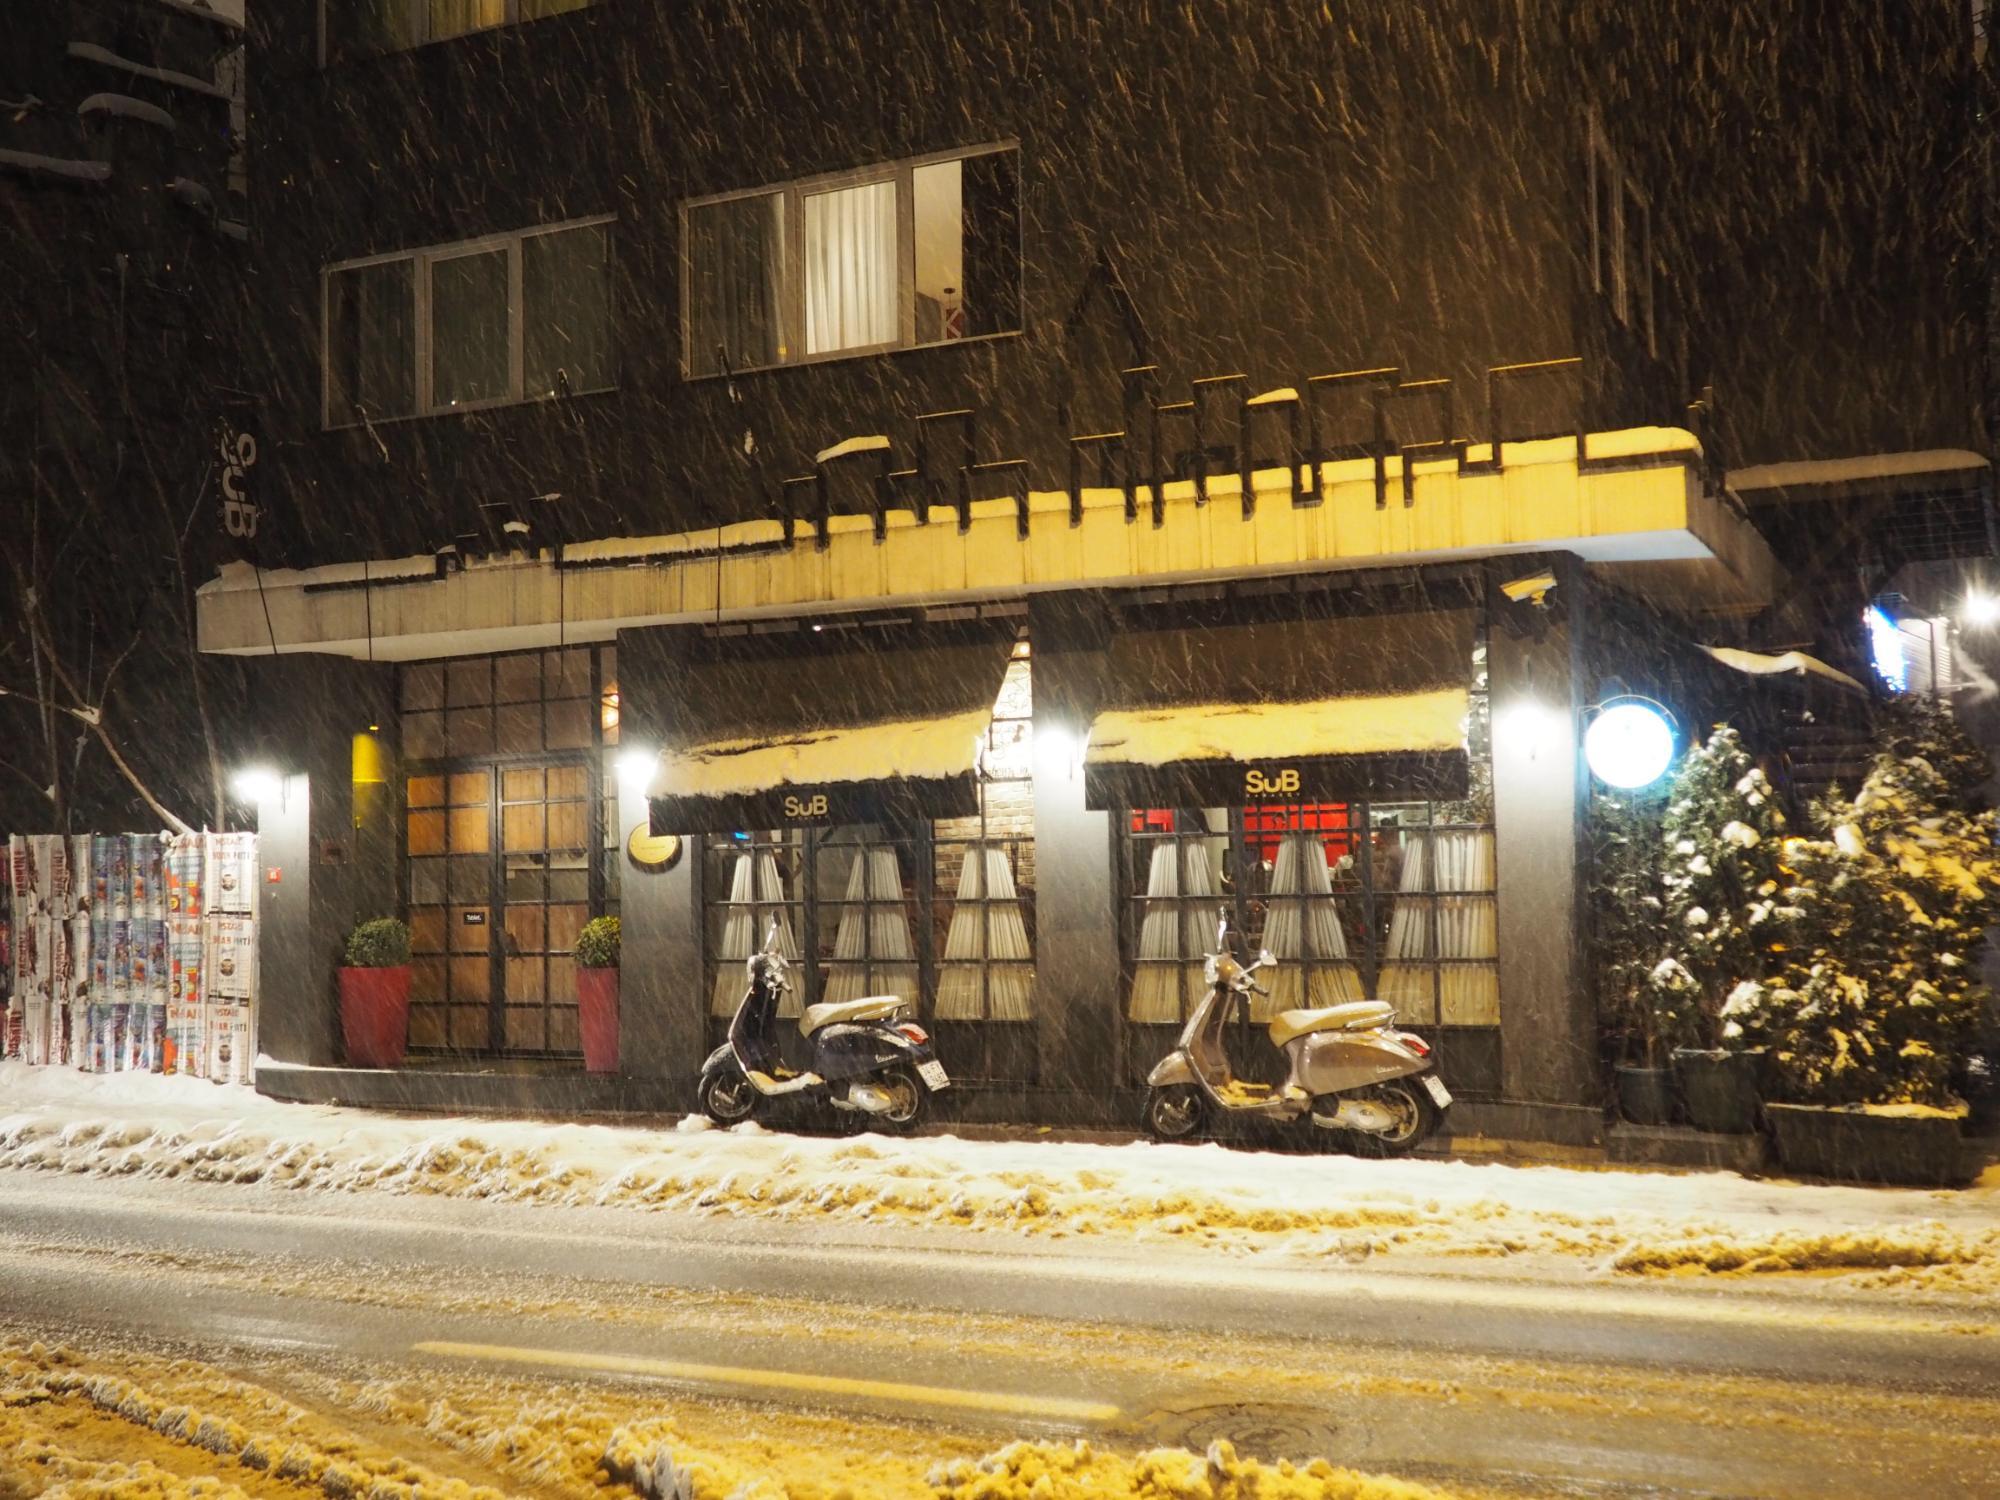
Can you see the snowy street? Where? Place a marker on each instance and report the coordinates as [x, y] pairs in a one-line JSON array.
[[818, 1312]]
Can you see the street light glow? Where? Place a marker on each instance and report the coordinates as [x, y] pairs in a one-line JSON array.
[[1979, 607]]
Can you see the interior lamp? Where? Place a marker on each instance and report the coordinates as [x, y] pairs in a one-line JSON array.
[[1630, 743]]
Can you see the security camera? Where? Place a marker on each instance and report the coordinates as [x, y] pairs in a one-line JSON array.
[[1534, 589]]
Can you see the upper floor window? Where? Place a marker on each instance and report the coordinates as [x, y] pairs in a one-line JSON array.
[[363, 28], [890, 257], [1622, 263], [511, 317]]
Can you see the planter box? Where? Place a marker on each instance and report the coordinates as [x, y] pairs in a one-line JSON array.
[[375, 1016], [1646, 1095], [1719, 1089], [597, 1018], [1846, 1144]]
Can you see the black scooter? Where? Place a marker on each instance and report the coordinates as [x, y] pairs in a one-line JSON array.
[[867, 1057]]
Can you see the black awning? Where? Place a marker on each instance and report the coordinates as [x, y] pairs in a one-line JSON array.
[[851, 724], [1344, 709]]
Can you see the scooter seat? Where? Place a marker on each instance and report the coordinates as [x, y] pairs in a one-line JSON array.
[[1289, 1025], [870, 1008]]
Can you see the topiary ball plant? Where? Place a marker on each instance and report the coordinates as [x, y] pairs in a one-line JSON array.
[[379, 943], [597, 944]]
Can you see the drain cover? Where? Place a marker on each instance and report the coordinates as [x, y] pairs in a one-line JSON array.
[[1258, 1430]]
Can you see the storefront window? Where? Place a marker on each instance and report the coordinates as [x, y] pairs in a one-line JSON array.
[[1392, 901], [984, 886], [753, 881], [941, 913], [864, 877], [509, 844]]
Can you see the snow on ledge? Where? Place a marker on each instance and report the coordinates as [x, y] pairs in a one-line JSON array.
[[91, 52], [35, 164], [1759, 664], [127, 108], [1803, 473]]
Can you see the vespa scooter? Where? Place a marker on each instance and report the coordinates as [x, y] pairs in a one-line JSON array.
[[1348, 1069], [868, 1057]]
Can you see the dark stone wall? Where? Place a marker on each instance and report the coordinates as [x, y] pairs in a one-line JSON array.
[[335, 851], [1281, 193]]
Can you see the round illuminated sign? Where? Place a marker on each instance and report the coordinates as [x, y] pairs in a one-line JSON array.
[[1629, 744], [652, 851]]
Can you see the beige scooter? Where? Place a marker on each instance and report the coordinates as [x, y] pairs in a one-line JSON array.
[[1349, 1069]]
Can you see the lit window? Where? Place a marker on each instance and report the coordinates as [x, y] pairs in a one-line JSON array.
[[366, 28], [896, 256]]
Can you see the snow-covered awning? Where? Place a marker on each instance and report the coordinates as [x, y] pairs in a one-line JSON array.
[[1795, 663], [846, 725], [1291, 711]]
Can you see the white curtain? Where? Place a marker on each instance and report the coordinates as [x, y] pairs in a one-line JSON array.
[[1468, 993], [755, 878], [1174, 930], [985, 924], [851, 268], [1297, 929], [872, 954]]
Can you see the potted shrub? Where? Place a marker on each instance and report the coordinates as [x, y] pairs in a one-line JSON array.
[[375, 994], [1727, 924], [1876, 1017], [1628, 944], [597, 993]]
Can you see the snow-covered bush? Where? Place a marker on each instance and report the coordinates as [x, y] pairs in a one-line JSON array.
[[1726, 910], [1879, 999], [1628, 938]]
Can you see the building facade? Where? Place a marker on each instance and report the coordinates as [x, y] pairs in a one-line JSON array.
[[1007, 499]]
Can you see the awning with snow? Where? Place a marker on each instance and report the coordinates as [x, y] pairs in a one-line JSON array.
[[1328, 710], [1789, 663], [849, 724]]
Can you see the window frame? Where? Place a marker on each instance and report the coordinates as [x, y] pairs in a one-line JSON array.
[[423, 260], [419, 11], [1610, 265], [792, 258]]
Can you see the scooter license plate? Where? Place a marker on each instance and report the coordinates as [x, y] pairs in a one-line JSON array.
[[1434, 1086], [933, 1075]]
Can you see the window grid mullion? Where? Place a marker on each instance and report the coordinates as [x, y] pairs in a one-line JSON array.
[[516, 317], [421, 288]]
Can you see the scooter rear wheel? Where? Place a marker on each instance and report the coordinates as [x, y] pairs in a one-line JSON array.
[[911, 1098], [727, 1097], [1416, 1118], [1174, 1112]]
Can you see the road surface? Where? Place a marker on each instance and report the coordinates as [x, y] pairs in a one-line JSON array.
[[1502, 1377]]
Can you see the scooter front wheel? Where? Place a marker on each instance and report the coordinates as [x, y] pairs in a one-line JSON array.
[[1416, 1117], [727, 1097], [1174, 1112]]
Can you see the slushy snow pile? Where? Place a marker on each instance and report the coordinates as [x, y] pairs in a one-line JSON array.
[[1304, 1206], [100, 1425]]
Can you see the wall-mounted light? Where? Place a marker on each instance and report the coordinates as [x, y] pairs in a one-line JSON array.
[[1630, 743], [255, 785], [635, 770]]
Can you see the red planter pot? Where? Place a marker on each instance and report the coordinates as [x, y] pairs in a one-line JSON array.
[[597, 1018], [375, 1015]]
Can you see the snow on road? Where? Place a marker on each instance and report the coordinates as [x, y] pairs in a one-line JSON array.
[[1269, 1203], [139, 1426]]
